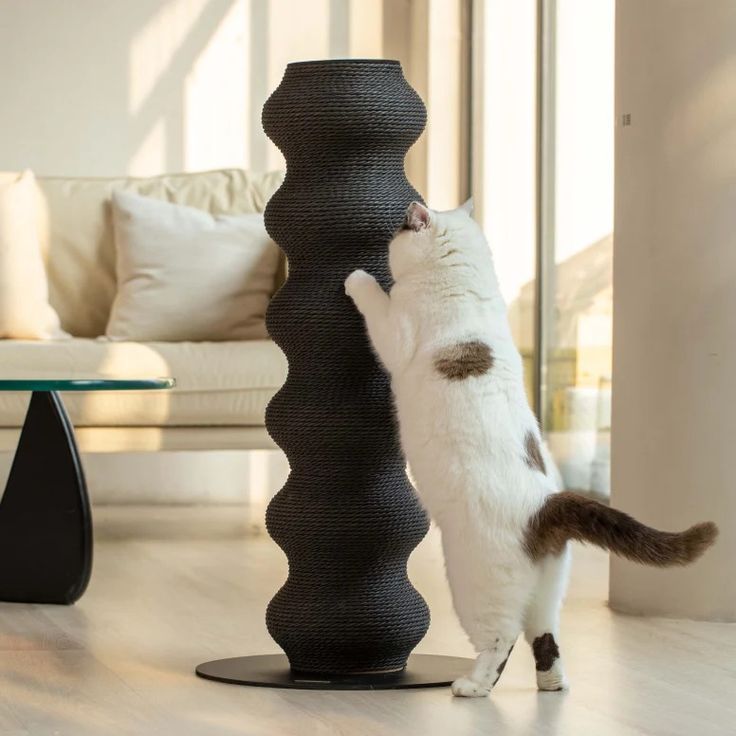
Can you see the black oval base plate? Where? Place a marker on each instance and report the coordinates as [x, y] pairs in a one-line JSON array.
[[272, 670]]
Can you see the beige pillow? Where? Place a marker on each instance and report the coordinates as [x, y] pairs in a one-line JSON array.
[[25, 312], [185, 275], [75, 227]]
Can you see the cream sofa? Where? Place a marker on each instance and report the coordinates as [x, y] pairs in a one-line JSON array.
[[222, 387]]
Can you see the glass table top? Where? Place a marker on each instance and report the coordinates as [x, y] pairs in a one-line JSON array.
[[92, 383]]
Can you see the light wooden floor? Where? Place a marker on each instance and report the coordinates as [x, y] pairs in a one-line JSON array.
[[121, 661]]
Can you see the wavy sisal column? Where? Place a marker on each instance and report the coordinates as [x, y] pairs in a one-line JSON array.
[[347, 517]]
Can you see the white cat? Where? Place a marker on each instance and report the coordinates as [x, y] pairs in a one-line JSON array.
[[475, 451]]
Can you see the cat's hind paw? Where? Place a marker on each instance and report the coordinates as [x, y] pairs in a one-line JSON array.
[[552, 680], [464, 687]]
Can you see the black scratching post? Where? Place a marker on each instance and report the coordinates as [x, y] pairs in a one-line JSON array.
[[347, 518]]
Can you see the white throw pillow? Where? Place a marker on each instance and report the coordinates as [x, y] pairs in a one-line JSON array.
[[185, 275], [25, 312]]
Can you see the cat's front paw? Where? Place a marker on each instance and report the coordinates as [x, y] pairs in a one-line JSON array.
[[464, 687], [355, 280]]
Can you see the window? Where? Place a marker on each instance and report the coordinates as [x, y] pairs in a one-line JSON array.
[[577, 239], [543, 162]]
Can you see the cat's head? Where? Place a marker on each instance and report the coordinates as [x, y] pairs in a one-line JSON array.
[[449, 242]]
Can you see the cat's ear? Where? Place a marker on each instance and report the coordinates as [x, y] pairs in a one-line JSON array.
[[417, 217], [467, 207]]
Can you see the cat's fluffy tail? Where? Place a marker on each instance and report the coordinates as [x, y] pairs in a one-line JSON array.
[[568, 515]]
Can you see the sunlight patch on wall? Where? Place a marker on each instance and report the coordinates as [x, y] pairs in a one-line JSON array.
[[217, 91], [151, 153], [366, 29], [444, 105], [152, 48]]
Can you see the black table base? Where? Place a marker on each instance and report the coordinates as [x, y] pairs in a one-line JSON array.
[[45, 520], [272, 670]]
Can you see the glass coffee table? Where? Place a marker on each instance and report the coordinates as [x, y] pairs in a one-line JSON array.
[[45, 520]]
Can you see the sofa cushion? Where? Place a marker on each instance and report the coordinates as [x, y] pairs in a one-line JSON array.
[[184, 274], [75, 227], [218, 384]]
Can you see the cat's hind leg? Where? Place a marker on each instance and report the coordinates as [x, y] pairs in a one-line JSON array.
[[488, 667], [490, 600], [542, 621]]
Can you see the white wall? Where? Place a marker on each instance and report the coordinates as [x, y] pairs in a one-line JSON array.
[[674, 399], [107, 87], [102, 87]]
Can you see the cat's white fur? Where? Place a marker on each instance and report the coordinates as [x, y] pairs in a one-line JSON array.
[[465, 439], [475, 451]]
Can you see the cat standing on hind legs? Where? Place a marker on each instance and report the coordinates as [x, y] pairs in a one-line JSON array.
[[475, 450]]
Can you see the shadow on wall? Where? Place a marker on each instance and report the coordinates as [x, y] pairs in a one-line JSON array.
[[112, 84], [147, 86]]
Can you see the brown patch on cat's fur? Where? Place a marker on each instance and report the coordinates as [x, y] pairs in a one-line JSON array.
[[568, 515], [545, 651], [534, 457], [463, 360]]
